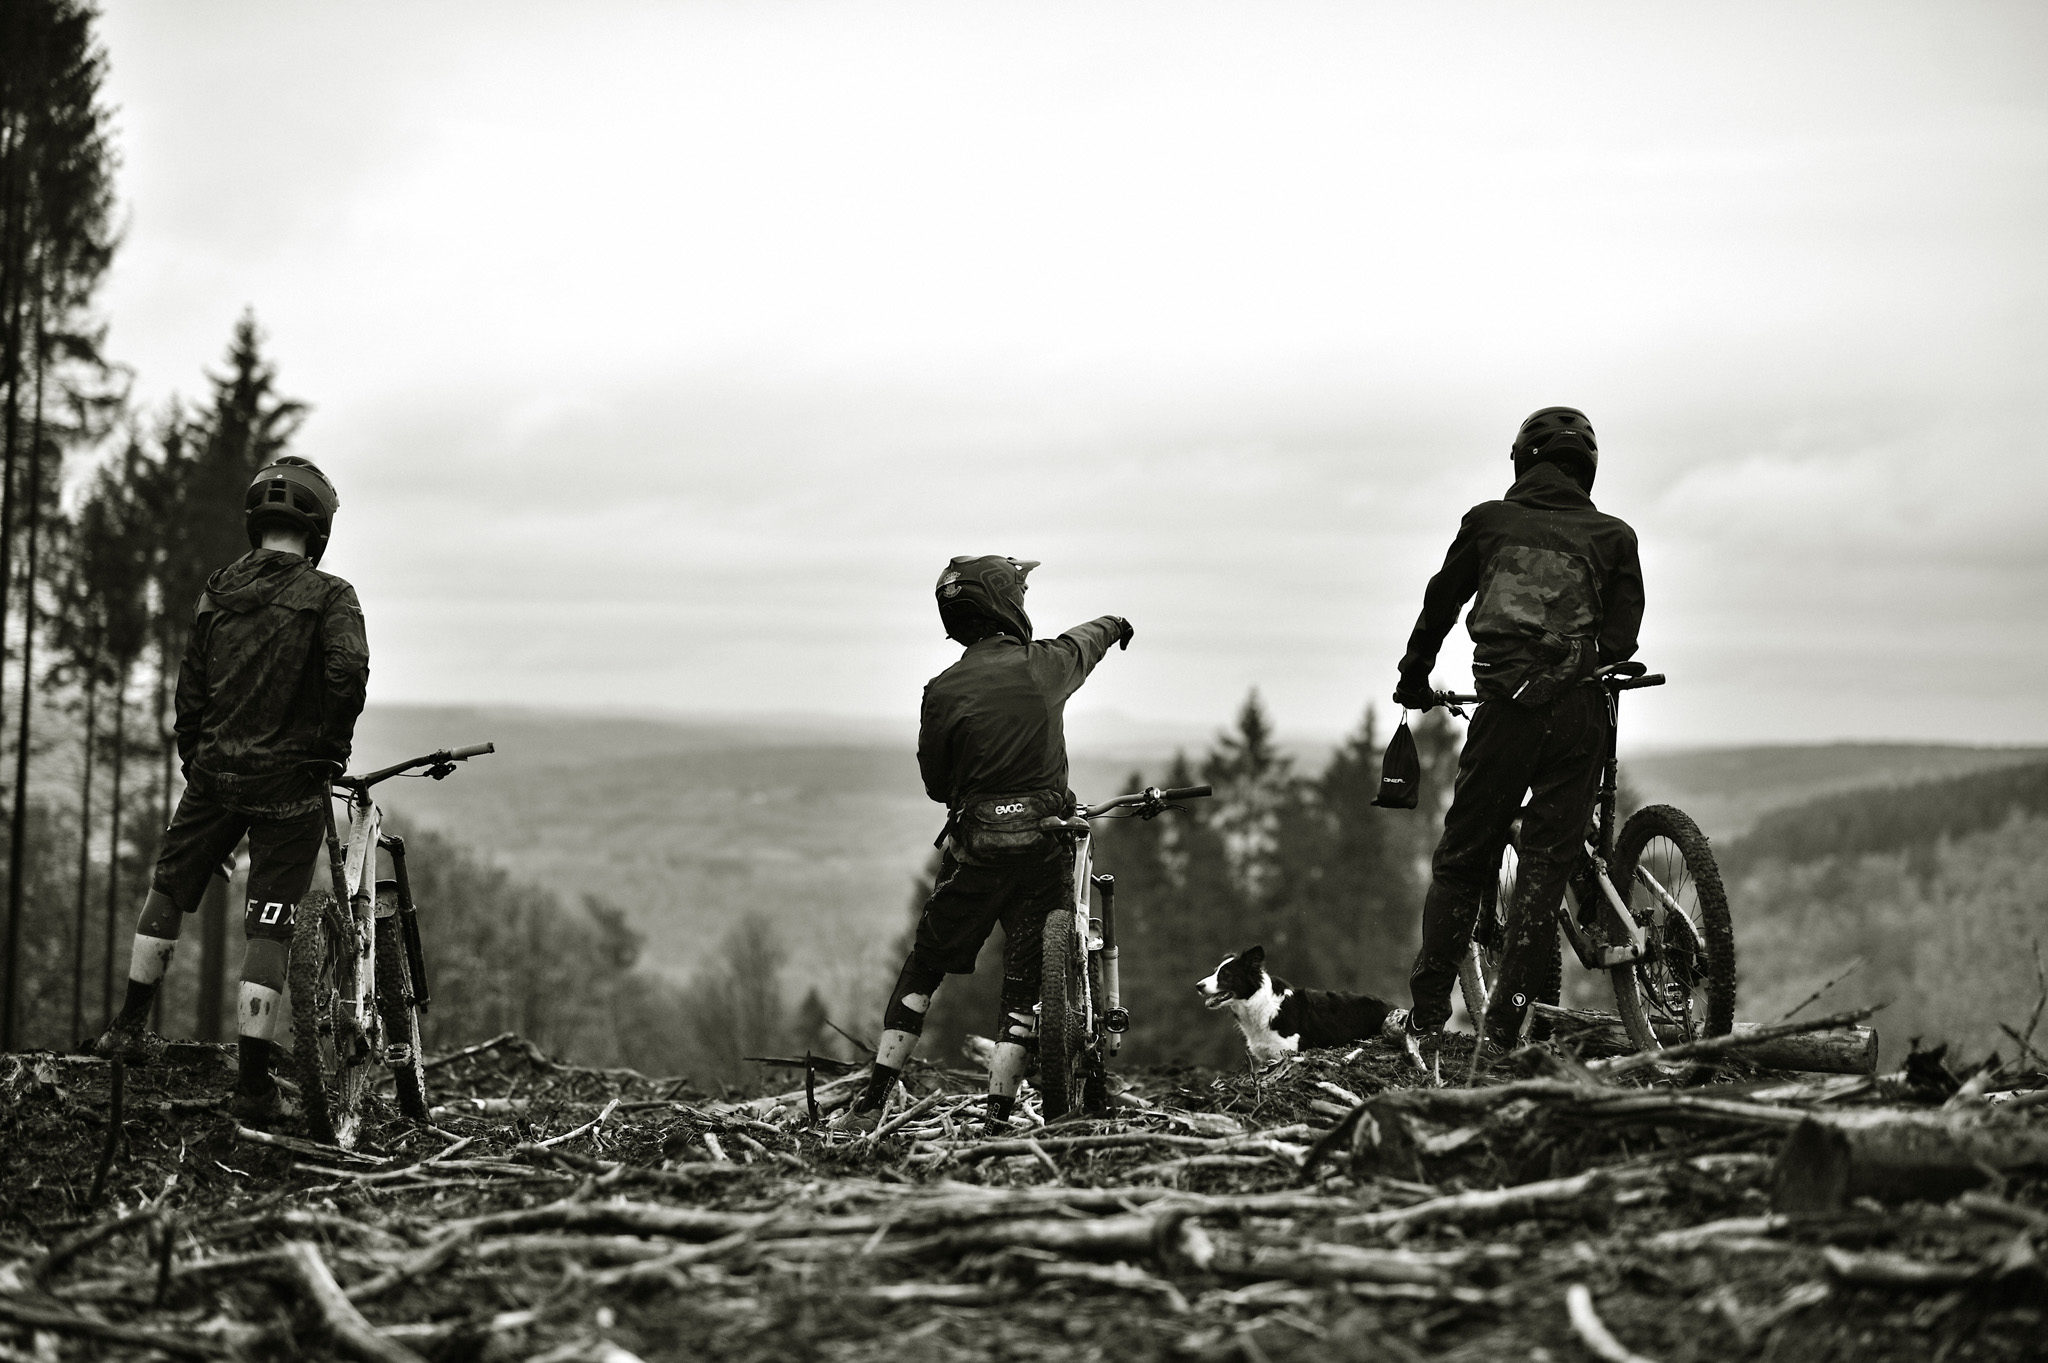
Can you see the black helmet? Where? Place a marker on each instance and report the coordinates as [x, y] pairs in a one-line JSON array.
[[1557, 435], [977, 595], [290, 491]]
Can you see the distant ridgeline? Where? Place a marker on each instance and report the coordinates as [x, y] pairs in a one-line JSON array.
[[1904, 818], [1934, 890]]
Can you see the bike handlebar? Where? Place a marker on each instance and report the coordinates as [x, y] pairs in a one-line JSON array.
[[1150, 796], [440, 764], [1613, 679]]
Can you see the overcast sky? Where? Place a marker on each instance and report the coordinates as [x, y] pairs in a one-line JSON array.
[[664, 352]]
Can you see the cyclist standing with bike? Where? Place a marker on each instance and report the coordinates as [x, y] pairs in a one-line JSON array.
[[992, 748], [272, 681], [1559, 593]]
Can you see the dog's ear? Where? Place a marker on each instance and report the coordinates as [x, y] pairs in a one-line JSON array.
[[1253, 955]]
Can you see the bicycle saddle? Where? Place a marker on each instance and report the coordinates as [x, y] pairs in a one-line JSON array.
[[1055, 824], [1628, 670]]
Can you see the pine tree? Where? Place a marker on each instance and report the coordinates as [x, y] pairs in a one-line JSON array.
[[55, 244]]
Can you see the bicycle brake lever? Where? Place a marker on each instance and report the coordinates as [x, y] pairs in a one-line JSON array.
[[441, 771]]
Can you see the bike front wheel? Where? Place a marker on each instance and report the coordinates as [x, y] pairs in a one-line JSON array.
[[396, 1005], [1685, 988], [330, 1054], [1062, 1019]]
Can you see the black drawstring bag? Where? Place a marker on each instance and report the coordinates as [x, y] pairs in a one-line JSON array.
[[1400, 771]]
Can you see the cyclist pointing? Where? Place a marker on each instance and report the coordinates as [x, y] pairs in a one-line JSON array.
[[992, 748], [268, 693], [1559, 593]]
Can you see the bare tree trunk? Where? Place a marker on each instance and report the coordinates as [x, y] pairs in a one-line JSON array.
[[17, 851], [163, 737], [114, 840], [92, 694]]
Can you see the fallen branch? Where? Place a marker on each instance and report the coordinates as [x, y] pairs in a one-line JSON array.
[[81, 1242], [908, 1114], [1845, 1050], [1491, 1204], [36, 1316], [1586, 1322], [1879, 1268], [354, 1334], [594, 1122], [499, 1040], [1726, 1045], [117, 1083], [299, 1146]]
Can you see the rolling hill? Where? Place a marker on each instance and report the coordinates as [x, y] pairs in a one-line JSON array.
[[823, 829]]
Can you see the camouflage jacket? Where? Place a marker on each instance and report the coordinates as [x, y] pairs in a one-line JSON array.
[[994, 723], [1558, 588], [273, 678]]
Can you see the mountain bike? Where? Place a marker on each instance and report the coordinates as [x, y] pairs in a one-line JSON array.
[[1081, 1017], [1645, 904], [357, 975]]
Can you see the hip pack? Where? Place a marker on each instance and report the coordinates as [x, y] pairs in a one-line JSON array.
[[1004, 828]]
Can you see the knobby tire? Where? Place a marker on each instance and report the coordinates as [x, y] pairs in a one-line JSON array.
[[1698, 957], [329, 1060], [395, 995], [1062, 1019]]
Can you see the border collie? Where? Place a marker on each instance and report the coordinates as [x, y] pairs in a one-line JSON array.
[[1278, 1020]]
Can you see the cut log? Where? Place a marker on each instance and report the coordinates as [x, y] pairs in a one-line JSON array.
[[1842, 1050], [1887, 1153]]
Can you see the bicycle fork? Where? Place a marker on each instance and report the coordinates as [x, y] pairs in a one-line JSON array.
[[1115, 1021], [408, 922]]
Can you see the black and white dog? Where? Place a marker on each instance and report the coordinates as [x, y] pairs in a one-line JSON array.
[[1278, 1020]]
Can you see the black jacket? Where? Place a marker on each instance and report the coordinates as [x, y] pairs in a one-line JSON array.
[[1559, 588], [275, 671], [994, 722]]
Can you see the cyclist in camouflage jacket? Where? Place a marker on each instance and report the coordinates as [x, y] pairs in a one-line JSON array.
[[268, 693], [1559, 593]]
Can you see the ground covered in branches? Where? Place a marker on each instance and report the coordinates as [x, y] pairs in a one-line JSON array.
[[1332, 1209]]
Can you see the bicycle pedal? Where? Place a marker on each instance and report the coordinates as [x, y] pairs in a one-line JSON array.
[[398, 1055]]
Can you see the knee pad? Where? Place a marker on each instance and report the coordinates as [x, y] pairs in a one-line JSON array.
[[161, 917], [911, 999], [264, 963]]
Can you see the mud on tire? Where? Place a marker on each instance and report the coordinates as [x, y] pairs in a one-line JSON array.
[[395, 1005], [328, 1056], [1063, 1058]]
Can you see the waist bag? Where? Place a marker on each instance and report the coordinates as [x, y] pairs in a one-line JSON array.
[[1000, 828], [1400, 772]]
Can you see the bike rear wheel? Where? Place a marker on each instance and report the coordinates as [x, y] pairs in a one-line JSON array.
[[1063, 1048], [330, 1054], [395, 1004], [1685, 987]]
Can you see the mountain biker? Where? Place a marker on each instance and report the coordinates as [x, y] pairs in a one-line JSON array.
[[271, 683], [992, 748], [1559, 593]]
